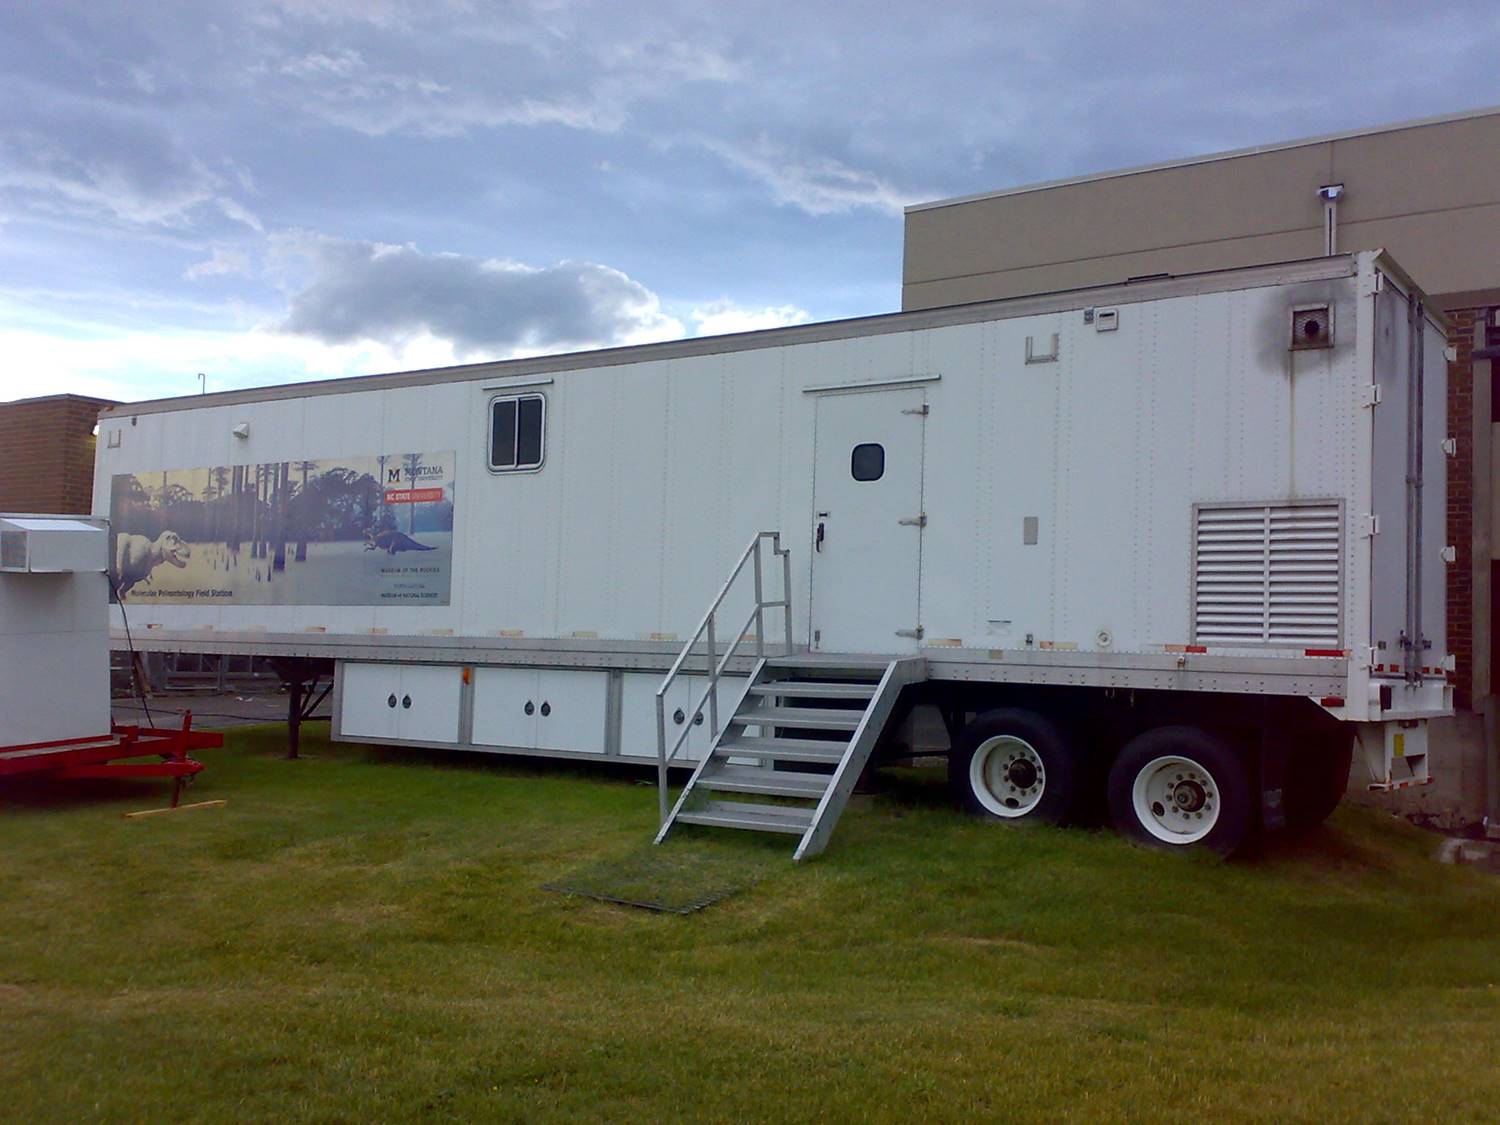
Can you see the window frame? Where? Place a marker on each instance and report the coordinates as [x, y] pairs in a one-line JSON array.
[[516, 396], [853, 453]]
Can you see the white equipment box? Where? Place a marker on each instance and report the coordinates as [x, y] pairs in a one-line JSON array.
[[54, 629]]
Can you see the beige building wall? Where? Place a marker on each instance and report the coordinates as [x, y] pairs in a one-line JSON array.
[[1428, 191]]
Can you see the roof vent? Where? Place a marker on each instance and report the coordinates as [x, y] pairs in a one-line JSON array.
[[1312, 327]]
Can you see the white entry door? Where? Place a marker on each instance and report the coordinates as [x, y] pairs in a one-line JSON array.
[[867, 521]]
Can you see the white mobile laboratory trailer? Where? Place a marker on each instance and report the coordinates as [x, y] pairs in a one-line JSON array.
[[1176, 546]]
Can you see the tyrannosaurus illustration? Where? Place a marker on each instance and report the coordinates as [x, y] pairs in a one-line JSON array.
[[136, 556]]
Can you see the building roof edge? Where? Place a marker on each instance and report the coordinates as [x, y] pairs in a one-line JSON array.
[[1207, 158]]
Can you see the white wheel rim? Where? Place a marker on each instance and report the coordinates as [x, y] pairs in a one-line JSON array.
[[1176, 799], [1007, 777]]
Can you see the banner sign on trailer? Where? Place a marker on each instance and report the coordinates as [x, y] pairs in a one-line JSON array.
[[369, 530]]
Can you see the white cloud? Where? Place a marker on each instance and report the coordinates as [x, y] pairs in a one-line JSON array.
[[724, 316], [238, 212], [53, 184], [223, 261], [486, 307], [64, 157], [819, 185], [343, 88], [132, 365]]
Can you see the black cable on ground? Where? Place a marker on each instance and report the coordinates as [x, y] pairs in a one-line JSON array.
[[135, 677]]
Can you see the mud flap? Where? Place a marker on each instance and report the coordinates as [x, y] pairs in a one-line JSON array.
[[1273, 767]]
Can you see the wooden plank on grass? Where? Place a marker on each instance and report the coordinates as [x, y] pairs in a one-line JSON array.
[[179, 808]]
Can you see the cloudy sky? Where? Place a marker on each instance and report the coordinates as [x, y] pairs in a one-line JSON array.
[[292, 189]]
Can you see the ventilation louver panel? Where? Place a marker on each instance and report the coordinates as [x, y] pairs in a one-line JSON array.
[[1268, 575], [12, 550]]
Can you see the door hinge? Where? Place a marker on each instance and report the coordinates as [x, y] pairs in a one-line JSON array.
[[914, 634], [1372, 526], [922, 410], [1372, 395], [919, 520]]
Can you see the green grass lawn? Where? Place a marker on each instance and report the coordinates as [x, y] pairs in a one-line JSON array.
[[363, 936]]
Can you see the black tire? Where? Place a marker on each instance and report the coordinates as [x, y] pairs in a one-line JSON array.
[[1317, 774], [1016, 767], [1205, 803]]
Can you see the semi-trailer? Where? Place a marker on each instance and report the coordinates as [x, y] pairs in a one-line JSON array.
[[1173, 547]]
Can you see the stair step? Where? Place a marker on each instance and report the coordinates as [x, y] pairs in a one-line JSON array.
[[842, 667], [828, 709], [770, 783], [809, 718], [787, 749], [760, 818], [814, 689]]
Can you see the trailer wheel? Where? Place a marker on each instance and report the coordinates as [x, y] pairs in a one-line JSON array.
[[1013, 765], [1179, 787], [1317, 776]]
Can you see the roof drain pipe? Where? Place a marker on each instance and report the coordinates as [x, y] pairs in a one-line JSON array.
[[1329, 194]]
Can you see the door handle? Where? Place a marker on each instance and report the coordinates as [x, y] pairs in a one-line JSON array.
[[818, 538]]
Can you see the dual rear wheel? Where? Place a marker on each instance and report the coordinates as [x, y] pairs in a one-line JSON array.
[[1181, 787], [1014, 765], [1170, 787]]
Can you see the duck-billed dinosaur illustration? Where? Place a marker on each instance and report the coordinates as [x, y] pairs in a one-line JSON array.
[[391, 541]]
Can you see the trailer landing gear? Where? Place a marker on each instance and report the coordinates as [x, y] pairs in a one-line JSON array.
[[301, 675]]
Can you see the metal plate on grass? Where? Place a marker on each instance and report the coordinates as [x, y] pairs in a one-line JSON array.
[[674, 879]]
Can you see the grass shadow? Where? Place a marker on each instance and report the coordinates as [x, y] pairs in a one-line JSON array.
[[49, 794]]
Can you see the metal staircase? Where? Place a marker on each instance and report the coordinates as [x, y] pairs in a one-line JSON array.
[[791, 753], [797, 739]]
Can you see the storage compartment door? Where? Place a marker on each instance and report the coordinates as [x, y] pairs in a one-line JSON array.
[[369, 701], [429, 704], [570, 710], [638, 715], [505, 707], [701, 739]]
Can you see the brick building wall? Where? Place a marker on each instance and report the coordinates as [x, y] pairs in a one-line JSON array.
[[1461, 503], [47, 454]]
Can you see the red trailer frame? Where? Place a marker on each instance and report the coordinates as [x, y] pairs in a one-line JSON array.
[[106, 755]]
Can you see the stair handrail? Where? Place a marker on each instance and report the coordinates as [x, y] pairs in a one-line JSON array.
[[714, 665]]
